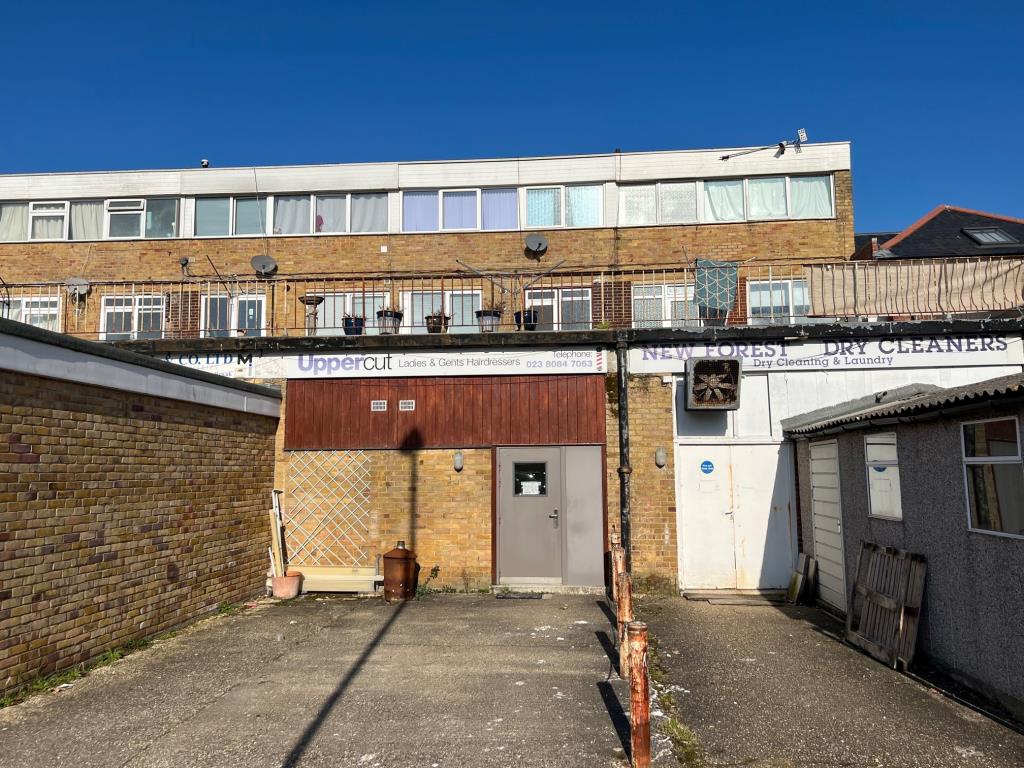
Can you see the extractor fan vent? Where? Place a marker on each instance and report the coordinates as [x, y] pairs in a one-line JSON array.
[[713, 384]]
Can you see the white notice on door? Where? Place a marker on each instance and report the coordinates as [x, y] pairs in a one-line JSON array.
[[530, 488]]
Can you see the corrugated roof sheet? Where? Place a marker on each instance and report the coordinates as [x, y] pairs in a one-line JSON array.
[[906, 401]]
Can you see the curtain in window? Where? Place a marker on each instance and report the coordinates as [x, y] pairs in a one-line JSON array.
[[48, 227], [678, 202], [370, 212], [250, 216], [86, 221], [330, 213], [543, 207], [459, 210], [637, 205], [582, 206], [13, 221], [419, 211], [723, 200], [767, 198], [647, 306], [812, 197], [291, 215], [213, 215], [500, 209]]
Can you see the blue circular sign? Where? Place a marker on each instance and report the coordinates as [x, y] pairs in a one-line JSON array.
[[707, 467]]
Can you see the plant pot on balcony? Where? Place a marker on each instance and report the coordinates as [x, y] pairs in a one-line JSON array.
[[437, 322], [526, 320], [389, 320], [354, 326], [489, 319]]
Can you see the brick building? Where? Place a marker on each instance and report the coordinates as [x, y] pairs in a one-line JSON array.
[[449, 378]]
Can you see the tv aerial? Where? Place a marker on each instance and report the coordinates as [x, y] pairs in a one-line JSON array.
[[779, 147]]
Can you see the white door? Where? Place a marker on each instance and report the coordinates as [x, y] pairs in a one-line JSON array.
[[826, 516], [763, 514], [707, 541]]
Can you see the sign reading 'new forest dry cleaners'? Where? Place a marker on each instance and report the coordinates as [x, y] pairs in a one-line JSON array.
[[362, 365], [838, 354]]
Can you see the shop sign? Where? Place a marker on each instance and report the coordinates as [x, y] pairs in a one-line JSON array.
[[840, 354]]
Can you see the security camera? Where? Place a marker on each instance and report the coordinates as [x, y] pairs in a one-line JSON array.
[[183, 261], [204, 163]]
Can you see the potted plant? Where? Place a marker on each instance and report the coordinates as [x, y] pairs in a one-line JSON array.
[[389, 319], [526, 320], [437, 322], [489, 318], [354, 325]]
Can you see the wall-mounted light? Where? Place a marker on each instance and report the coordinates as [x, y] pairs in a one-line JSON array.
[[660, 458], [459, 461]]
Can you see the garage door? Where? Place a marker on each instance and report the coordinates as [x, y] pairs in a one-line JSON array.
[[828, 527]]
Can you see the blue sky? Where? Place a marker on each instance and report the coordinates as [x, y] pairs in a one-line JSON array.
[[929, 94]]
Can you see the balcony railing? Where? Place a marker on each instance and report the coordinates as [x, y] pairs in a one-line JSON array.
[[469, 302]]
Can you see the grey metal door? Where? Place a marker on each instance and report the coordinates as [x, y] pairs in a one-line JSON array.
[[530, 515]]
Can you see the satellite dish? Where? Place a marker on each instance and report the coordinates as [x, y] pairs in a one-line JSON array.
[[78, 288], [265, 266], [536, 244]]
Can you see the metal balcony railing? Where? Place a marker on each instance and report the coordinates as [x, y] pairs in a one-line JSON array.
[[733, 294]]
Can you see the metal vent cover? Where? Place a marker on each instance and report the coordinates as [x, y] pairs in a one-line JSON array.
[[713, 384]]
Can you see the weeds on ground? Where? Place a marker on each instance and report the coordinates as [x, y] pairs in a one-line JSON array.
[[424, 589], [685, 744], [57, 679]]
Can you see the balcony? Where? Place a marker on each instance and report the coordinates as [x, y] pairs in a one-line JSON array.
[[707, 295]]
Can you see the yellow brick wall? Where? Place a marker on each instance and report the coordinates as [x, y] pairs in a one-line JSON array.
[[121, 516], [653, 494]]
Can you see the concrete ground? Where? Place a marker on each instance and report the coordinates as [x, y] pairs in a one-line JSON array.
[[453, 680], [767, 686]]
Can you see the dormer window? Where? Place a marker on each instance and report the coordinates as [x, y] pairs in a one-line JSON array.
[[990, 236]]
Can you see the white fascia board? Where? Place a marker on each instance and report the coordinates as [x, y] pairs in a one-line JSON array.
[[579, 169], [27, 356]]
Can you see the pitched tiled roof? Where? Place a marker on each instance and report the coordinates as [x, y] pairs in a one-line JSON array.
[[940, 234]]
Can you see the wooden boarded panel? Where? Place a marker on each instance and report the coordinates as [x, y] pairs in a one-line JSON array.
[[450, 412]]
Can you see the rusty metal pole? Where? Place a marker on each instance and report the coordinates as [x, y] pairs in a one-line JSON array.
[[618, 568], [624, 615], [639, 696], [625, 470]]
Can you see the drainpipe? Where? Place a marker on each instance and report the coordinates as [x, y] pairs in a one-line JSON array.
[[622, 370]]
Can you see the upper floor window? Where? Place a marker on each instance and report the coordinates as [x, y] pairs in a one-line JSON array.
[[568, 206], [150, 218], [812, 197], [666, 202], [13, 222], [994, 475], [131, 317], [459, 210], [40, 311], [665, 306], [226, 316], [48, 221], [777, 301], [560, 309]]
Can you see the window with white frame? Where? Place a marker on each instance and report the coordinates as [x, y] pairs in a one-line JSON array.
[[225, 316], [664, 306], [499, 208], [13, 222], [883, 471], [459, 210], [777, 301], [569, 206], [48, 220], [812, 197], [560, 309], [419, 210], [40, 311], [213, 217], [331, 214], [123, 318], [337, 306], [459, 306], [766, 198], [994, 475], [250, 216], [664, 202], [293, 215], [152, 218], [87, 220]]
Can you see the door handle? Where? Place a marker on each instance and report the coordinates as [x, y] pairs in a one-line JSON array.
[[554, 515]]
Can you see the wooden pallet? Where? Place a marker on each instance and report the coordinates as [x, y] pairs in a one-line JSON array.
[[885, 606]]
